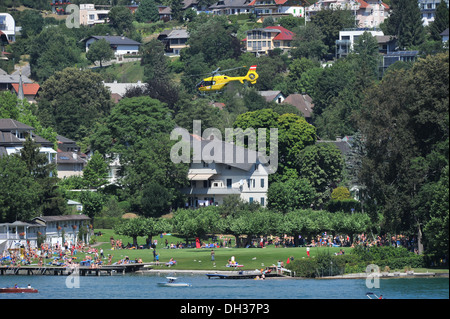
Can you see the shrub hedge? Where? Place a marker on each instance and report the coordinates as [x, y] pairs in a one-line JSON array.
[[356, 262]]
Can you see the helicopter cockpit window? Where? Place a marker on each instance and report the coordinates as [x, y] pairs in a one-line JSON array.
[[208, 83]]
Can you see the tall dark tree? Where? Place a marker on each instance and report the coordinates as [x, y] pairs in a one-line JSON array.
[[402, 129], [147, 11], [440, 22], [405, 22], [121, 19], [330, 23]]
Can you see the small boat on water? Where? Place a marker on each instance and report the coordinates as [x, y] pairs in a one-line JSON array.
[[18, 290], [171, 282]]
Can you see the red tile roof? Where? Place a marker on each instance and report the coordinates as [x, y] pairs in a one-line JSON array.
[[276, 1], [28, 88], [284, 34], [364, 4]]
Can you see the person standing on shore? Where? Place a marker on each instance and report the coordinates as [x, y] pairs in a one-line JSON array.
[[212, 255]]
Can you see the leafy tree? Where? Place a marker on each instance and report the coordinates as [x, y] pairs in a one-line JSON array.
[[190, 223], [176, 7], [436, 229], [290, 195], [92, 203], [52, 51], [309, 43], [121, 19], [32, 23], [367, 57], [137, 131], [130, 121], [147, 11], [133, 227], [96, 171], [296, 70], [405, 22], [330, 23], [21, 192], [214, 39], [155, 226], [322, 165], [200, 109], [70, 111], [252, 224], [340, 193], [36, 162], [156, 73], [8, 105], [402, 130], [294, 133], [100, 51]]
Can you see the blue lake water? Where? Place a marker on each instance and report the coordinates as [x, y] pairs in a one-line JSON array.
[[144, 286]]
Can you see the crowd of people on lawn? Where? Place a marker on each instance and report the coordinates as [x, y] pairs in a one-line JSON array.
[[66, 254]]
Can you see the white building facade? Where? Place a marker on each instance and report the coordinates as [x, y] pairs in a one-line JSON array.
[[226, 174], [8, 26]]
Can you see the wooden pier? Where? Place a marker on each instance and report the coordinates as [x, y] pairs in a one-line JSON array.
[[65, 271]]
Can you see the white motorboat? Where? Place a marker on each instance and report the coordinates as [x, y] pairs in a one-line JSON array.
[[171, 282]]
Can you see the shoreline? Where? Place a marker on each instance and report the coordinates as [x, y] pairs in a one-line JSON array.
[[346, 276]]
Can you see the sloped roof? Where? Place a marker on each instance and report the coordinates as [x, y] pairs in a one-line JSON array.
[[8, 138], [276, 2], [68, 158], [284, 34], [177, 34], [231, 4], [227, 156], [114, 40], [28, 88], [13, 78], [302, 102], [269, 95], [10, 124], [62, 218]]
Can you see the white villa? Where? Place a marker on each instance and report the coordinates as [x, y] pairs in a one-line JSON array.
[[211, 182]]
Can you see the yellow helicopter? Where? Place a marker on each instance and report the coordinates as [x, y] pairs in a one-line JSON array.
[[217, 82]]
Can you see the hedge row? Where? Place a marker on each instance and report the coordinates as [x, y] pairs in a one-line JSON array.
[[356, 262]]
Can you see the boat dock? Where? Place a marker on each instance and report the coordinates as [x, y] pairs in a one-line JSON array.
[[65, 271]]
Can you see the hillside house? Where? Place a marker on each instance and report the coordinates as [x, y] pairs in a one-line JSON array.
[[263, 40], [89, 15], [29, 90], [8, 26], [230, 7], [367, 13], [120, 45], [273, 96], [278, 8], [13, 134], [428, 10], [211, 182], [303, 103], [176, 41]]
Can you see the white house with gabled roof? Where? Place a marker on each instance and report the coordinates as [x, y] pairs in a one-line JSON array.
[[212, 181]]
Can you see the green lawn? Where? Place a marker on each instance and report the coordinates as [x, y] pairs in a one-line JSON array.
[[200, 259], [129, 72]]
